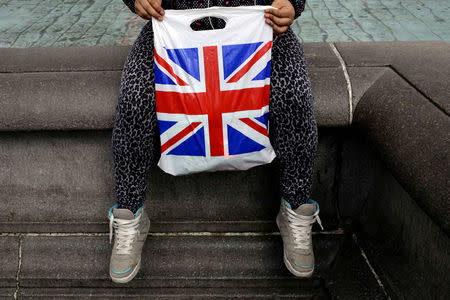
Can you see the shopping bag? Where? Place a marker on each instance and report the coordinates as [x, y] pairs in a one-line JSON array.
[[212, 90]]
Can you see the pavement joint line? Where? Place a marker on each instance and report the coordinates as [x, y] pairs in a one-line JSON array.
[[347, 79], [19, 267], [377, 278], [338, 231]]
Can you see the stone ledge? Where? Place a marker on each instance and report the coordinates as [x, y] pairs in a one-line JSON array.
[[423, 64], [77, 88], [412, 136]]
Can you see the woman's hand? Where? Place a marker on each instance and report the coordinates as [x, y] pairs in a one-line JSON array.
[[280, 19], [148, 8]]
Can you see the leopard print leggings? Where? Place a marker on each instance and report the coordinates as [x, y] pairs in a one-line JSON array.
[[293, 129]]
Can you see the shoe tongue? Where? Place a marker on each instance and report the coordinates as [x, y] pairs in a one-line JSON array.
[[123, 213], [306, 209]]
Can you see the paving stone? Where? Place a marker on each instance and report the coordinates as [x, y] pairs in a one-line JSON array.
[[329, 89], [63, 181], [401, 123], [9, 260], [173, 261], [423, 64], [43, 23]]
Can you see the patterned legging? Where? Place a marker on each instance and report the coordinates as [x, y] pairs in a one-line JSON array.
[[293, 130]]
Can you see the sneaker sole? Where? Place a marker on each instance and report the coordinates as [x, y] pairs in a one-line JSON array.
[[295, 272], [289, 266], [129, 277]]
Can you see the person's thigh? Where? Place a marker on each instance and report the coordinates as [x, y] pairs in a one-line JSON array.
[[135, 134], [292, 125], [136, 107]]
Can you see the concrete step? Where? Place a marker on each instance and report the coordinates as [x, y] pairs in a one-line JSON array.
[[64, 182], [191, 265]]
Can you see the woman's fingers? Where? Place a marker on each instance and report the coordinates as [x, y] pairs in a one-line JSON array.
[[141, 12], [282, 12], [276, 28], [150, 10], [279, 20], [157, 7]]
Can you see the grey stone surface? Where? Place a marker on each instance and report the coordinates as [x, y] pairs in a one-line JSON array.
[[319, 55], [77, 88], [9, 260], [7, 293], [238, 266], [329, 89], [423, 64], [350, 264], [63, 182], [67, 100], [63, 59], [167, 261], [283, 291], [413, 138], [356, 175], [110, 58], [408, 249], [361, 79]]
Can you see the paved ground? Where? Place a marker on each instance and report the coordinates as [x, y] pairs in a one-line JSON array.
[[43, 23]]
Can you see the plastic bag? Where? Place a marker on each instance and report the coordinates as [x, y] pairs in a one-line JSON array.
[[212, 90]]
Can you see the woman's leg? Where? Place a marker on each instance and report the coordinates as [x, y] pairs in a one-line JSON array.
[[135, 130], [293, 129]]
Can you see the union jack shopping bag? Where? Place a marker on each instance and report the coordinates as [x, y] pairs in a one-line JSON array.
[[212, 90]]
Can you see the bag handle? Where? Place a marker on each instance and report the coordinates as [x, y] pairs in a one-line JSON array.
[[226, 18], [187, 16]]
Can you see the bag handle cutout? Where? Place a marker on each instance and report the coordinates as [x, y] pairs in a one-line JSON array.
[[213, 23]]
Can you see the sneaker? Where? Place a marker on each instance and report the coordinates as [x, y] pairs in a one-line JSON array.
[[295, 228], [130, 233]]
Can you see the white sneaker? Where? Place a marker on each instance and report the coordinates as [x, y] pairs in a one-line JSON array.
[[130, 233], [295, 228]]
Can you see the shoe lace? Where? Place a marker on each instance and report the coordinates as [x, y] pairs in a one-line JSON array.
[[125, 232], [301, 227]]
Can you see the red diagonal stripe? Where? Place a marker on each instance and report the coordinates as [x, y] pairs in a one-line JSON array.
[[255, 126], [179, 136], [252, 61], [169, 69]]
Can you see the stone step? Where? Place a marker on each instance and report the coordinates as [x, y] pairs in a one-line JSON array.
[[63, 181], [191, 265]]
